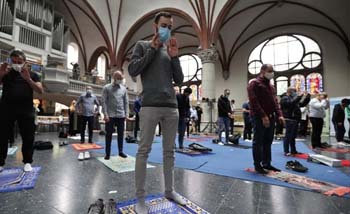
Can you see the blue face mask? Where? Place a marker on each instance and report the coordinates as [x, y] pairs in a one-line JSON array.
[[164, 34]]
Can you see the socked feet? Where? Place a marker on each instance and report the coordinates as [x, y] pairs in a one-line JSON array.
[[141, 207], [174, 196]]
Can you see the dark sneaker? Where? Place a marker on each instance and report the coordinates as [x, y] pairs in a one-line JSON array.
[[110, 207], [260, 170], [296, 166], [325, 145], [97, 207], [272, 168], [107, 157], [121, 154]]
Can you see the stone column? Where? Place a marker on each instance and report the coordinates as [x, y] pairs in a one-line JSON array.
[[208, 58]]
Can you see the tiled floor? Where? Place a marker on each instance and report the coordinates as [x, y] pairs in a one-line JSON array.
[[66, 185]]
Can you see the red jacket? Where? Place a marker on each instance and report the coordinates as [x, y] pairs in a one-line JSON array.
[[262, 98]]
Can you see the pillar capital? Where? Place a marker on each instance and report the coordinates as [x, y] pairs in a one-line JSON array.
[[209, 55]]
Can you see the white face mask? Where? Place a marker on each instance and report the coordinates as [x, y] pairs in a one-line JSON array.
[[17, 67], [117, 82], [269, 75]]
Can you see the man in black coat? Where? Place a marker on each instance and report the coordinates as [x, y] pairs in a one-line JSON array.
[[183, 103], [338, 119], [225, 111], [290, 105]]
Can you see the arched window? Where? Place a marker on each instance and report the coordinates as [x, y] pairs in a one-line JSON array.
[[72, 55], [281, 85], [101, 66], [192, 69], [294, 57]]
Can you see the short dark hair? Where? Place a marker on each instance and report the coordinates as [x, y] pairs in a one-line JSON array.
[[18, 53], [264, 67], [345, 101], [188, 90], [160, 14]]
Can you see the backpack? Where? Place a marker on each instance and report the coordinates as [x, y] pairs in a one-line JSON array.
[[43, 145]]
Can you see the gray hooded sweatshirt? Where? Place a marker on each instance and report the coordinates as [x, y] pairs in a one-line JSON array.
[[158, 71]]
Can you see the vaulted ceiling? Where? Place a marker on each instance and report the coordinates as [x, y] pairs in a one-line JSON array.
[[113, 26]]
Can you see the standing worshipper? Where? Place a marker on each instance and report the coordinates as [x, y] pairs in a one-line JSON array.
[[225, 112], [115, 107], [264, 110], [318, 107], [86, 106], [157, 62], [338, 119], [199, 115], [183, 104], [137, 108], [19, 84], [290, 104], [247, 132]]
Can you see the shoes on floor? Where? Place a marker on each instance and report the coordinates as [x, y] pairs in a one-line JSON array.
[[1, 168], [174, 196], [287, 154], [27, 167], [221, 143], [296, 166], [81, 156], [121, 154], [86, 155], [259, 169], [97, 207], [272, 168], [107, 157], [110, 207]]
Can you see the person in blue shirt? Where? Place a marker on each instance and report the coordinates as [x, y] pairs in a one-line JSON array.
[[137, 108]]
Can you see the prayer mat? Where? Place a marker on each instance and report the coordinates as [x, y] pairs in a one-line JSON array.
[[323, 187], [86, 146], [12, 150], [15, 179], [159, 204], [119, 164]]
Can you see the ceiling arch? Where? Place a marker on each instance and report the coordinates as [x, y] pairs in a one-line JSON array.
[[184, 26]]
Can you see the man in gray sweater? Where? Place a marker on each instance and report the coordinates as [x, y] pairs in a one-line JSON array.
[[158, 64]]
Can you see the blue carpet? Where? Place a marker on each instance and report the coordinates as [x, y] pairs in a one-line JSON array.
[[232, 162], [26, 181], [158, 204]]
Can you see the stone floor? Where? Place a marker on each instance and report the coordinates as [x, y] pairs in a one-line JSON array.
[[66, 185]]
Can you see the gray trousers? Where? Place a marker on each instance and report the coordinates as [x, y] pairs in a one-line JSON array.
[[149, 118]]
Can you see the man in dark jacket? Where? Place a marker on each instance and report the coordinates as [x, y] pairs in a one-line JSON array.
[[290, 105], [264, 110], [338, 119], [183, 103], [224, 110]]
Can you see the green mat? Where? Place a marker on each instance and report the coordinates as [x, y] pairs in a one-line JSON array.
[[119, 164]]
